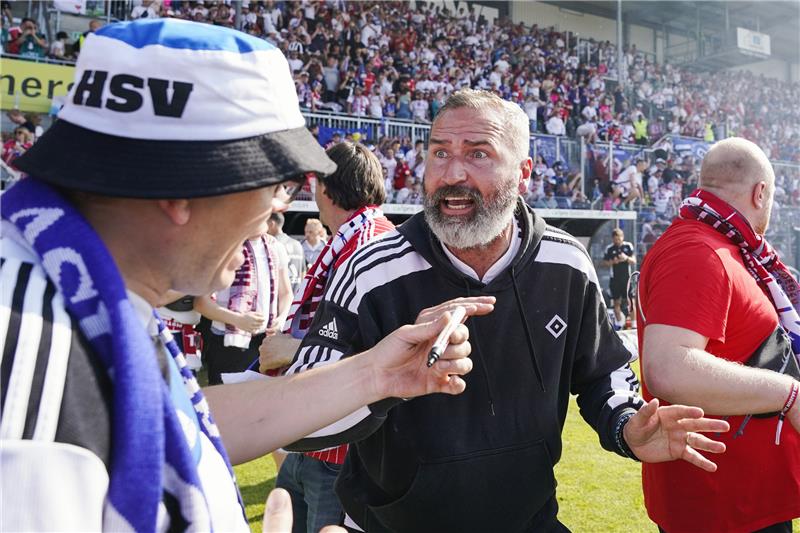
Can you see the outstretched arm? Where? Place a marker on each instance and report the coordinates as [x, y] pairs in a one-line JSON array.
[[679, 370], [259, 416], [658, 434]]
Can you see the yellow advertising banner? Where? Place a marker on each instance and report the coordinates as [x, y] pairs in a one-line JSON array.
[[31, 86]]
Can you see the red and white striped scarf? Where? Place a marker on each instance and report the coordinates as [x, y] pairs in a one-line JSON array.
[[759, 257], [243, 294], [360, 226]]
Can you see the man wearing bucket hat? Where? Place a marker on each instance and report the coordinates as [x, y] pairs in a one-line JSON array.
[[165, 159]]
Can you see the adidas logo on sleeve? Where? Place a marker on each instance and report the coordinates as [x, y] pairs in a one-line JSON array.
[[330, 330]]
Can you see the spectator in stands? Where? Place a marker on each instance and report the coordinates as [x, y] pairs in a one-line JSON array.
[[6, 16], [294, 250], [518, 62], [627, 186], [389, 163], [26, 41], [147, 9], [640, 128], [58, 48], [402, 173], [313, 243], [420, 108], [555, 124], [548, 201], [18, 145], [357, 103], [20, 119], [336, 138], [563, 195], [531, 108], [303, 90], [330, 73], [94, 25], [535, 189], [376, 103]]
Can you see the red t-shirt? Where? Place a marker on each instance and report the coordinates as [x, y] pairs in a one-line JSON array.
[[694, 278]]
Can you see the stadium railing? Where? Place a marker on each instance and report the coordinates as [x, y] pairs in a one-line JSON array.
[[552, 147], [35, 59]]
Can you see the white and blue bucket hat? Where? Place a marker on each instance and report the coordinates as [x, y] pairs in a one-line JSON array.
[[167, 108]]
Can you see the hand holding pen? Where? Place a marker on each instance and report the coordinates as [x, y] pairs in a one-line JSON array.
[[440, 345], [471, 306]]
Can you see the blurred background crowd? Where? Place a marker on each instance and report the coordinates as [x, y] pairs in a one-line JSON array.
[[399, 61]]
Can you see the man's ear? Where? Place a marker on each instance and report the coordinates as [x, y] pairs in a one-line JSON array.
[[760, 194], [526, 168], [178, 211]]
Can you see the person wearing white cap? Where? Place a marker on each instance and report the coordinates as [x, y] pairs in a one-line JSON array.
[[177, 141]]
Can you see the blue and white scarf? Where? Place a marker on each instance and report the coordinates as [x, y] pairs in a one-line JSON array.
[[148, 443]]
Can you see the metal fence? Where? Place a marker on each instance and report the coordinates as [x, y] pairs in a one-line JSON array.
[[553, 148], [373, 128]]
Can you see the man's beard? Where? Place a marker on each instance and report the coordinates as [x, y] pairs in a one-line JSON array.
[[486, 222]]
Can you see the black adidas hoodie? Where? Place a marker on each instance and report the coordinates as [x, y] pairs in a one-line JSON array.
[[483, 460]]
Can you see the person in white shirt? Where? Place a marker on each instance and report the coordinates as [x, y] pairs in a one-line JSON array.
[[627, 186], [401, 196], [233, 349], [502, 64], [357, 102], [375, 102], [295, 63], [662, 201], [411, 155], [419, 108], [390, 164], [371, 30], [147, 9], [555, 125], [313, 243], [589, 112]]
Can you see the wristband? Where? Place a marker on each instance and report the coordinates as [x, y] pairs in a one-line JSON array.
[[790, 400], [619, 438]]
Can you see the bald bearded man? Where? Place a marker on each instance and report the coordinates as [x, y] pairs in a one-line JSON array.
[[719, 317]]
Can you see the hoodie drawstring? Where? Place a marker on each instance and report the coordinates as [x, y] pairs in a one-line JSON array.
[[479, 353], [528, 337]]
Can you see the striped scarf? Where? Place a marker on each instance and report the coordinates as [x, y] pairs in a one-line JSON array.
[[759, 257], [243, 294], [147, 437], [360, 226]]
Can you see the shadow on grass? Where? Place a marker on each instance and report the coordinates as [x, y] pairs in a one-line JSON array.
[[254, 495]]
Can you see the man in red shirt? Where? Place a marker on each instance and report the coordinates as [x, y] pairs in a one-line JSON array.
[[715, 335]]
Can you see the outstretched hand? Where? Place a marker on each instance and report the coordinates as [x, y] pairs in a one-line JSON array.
[[400, 368], [658, 434]]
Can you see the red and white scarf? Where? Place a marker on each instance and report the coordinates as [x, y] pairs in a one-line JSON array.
[[360, 226], [759, 257], [243, 294]]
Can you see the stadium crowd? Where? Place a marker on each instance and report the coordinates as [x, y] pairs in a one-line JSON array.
[[387, 60]]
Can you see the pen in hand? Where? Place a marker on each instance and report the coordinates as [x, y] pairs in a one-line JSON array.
[[443, 339]]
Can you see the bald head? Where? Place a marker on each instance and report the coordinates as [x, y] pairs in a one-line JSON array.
[[739, 172], [732, 167]]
